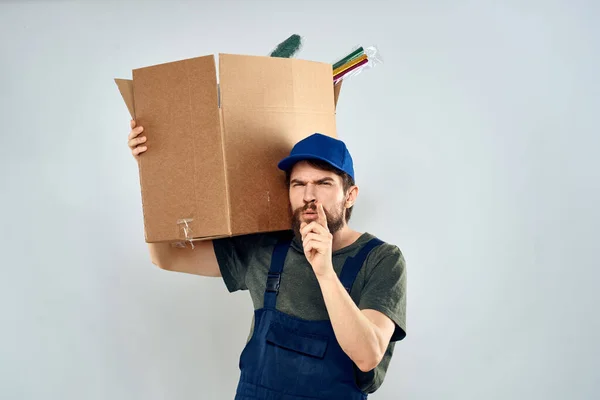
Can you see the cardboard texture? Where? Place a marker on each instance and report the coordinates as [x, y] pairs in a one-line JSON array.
[[211, 169]]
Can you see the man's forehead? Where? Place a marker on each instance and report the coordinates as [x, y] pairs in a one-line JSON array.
[[305, 171]]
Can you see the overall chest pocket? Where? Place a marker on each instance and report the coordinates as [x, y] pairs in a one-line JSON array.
[[294, 361]]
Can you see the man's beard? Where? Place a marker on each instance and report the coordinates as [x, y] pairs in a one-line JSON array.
[[335, 221]]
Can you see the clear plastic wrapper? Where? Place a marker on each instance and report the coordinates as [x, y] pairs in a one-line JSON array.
[[355, 62]]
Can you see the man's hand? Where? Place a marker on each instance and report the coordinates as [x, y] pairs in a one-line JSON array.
[[136, 144], [317, 242]]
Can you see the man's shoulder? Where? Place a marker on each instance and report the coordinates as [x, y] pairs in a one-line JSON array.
[[383, 248], [385, 251]]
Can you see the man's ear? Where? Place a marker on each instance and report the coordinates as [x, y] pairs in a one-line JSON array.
[[351, 196]]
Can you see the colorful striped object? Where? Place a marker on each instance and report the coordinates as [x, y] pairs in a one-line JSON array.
[[355, 62], [352, 68], [349, 64], [356, 53]]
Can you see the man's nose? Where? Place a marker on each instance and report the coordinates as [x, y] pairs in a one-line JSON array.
[[309, 193]]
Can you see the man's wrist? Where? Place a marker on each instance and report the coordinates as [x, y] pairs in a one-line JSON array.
[[328, 277]]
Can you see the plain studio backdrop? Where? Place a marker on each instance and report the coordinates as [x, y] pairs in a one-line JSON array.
[[476, 148]]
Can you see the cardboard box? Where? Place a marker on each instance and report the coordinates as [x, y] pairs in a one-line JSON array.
[[211, 166]]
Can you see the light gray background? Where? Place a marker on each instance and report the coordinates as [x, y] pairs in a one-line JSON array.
[[476, 148]]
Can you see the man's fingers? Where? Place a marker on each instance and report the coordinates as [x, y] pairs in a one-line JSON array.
[[135, 132], [314, 227], [134, 142], [321, 213], [138, 150], [310, 245], [315, 236]]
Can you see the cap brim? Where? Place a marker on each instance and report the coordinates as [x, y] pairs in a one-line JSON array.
[[287, 163]]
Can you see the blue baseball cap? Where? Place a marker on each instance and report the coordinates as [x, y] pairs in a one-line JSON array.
[[320, 147]]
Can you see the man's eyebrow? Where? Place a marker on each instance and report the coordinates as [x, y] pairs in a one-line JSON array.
[[323, 180], [327, 179]]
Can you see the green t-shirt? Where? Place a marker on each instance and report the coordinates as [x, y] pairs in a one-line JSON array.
[[244, 262]]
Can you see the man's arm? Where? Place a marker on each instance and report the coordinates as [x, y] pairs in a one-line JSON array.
[[363, 335], [201, 260]]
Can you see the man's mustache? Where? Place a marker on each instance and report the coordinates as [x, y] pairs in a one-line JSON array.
[[310, 206]]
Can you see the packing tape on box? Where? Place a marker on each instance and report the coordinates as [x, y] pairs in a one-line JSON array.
[[186, 232]]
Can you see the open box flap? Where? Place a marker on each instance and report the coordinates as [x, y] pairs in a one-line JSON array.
[[182, 175], [126, 89]]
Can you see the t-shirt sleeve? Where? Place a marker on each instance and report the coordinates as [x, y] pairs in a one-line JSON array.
[[233, 256], [385, 287]]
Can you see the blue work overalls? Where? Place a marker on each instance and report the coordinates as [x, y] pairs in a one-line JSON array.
[[289, 358]]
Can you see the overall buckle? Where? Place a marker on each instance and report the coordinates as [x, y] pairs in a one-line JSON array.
[[273, 282]]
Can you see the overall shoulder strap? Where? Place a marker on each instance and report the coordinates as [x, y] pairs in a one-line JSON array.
[[353, 264], [274, 276]]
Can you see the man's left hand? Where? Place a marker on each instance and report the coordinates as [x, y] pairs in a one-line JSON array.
[[317, 242]]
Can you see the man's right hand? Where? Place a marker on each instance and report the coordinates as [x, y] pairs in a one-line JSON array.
[[136, 144]]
